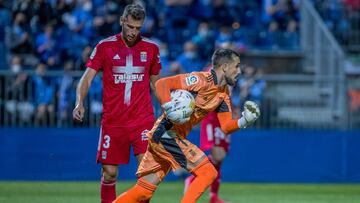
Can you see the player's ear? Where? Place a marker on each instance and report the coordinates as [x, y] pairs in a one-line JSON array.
[[224, 67], [122, 20]]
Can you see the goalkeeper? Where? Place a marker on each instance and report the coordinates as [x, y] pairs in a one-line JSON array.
[[168, 147]]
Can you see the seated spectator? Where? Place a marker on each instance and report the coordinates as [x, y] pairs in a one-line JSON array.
[[178, 24], [224, 35], [43, 96], [189, 59], [281, 18], [81, 62], [20, 36], [165, 60], [204, 38], [18, 104], [46, 45], [251, 86]]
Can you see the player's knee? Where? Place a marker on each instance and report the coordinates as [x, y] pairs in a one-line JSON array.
[[207, 171], [212, 172], [110, 173]]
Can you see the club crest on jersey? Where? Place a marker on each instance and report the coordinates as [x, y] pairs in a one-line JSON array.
[[143, 56], [144, 136], [191, 80]]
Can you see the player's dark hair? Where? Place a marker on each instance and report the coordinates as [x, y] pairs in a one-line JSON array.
[[222, 56], [136, 11]]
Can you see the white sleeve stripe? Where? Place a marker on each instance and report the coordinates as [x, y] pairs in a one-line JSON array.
[[149, 41], [109, 39]]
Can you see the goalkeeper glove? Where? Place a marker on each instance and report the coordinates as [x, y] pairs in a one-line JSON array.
[[249, 115], [174, 113]]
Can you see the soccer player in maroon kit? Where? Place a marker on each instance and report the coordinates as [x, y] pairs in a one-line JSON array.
[[130, 65]]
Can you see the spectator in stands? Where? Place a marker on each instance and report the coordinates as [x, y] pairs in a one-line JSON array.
[[204, 38], [66, 94], [23, 6], [281, 17], [165, 60], [4, 27], [251, 86], [81, 62], [189, 59], [106, 23], [224, 35], [20, 36], [17, 92], [46, 45], [42, 16], [43, 96], [221, 15], [178, 24]]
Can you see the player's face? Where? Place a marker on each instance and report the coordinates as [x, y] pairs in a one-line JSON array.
[[232, 72], [130, 29]]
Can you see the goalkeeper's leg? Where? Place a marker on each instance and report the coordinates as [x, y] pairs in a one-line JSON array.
[[142, 191], [204, 173]]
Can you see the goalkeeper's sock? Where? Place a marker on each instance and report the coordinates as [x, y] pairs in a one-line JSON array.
[[107, 191], [142, 191], [205, 173]]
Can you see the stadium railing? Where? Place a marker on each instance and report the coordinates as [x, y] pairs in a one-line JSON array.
[[290, 101], [324, 58]]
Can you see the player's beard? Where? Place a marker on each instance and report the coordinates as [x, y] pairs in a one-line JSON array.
[[230, 81]]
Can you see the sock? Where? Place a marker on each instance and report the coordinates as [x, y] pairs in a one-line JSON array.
[[205, 174], [107, 191], [142, 191]]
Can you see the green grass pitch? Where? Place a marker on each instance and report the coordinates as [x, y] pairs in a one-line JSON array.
[[169, 192]]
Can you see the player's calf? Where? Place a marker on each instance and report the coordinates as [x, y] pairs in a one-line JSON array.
[[205, 174]]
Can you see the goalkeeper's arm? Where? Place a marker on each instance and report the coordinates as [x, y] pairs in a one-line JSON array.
[[249, 115]]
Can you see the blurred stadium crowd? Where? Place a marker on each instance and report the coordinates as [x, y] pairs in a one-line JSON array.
[[38, 37]]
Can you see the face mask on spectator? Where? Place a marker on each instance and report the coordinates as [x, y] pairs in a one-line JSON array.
[[203, 33], [190, 54], [15, 68], [164, 53]]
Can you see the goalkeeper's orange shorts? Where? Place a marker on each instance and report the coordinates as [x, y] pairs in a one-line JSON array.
[[169, 153]]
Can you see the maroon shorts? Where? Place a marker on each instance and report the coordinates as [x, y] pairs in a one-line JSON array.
[[115, 142], [212, 135]]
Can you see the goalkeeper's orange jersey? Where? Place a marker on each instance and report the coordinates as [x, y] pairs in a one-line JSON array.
[[209, 96]]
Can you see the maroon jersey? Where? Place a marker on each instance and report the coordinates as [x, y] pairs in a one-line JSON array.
[[212, 135], [126, 78]]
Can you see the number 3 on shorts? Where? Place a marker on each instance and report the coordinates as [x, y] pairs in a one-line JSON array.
[[106, 141]]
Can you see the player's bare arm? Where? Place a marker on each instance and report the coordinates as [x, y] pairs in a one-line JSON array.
[[81, 92], [153, 79]]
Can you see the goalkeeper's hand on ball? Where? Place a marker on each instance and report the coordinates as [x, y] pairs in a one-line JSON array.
[[250, 114], [176, 113]]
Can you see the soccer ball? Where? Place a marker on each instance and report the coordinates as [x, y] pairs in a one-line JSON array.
[[183, 106]]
